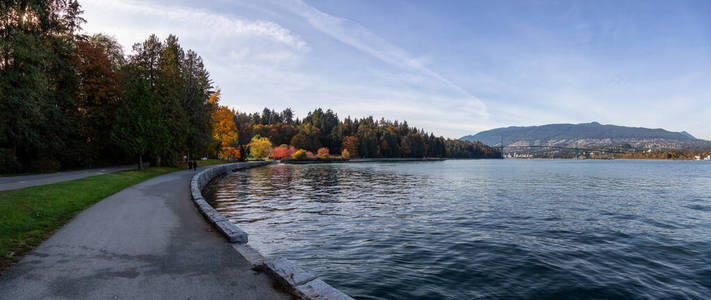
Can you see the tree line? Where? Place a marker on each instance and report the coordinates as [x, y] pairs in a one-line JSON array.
[[361, 137], [69, 100]]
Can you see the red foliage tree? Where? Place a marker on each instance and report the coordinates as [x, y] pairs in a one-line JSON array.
[[322, 152], [281, 152]]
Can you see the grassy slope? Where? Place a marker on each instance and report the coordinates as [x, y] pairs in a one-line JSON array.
[[30, 215]]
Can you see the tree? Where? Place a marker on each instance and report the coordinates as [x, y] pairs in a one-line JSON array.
[[259, 147], [281, 152], [224, 128], [136, 122], [168, 91], [299, 155], [38, 81], [322, 152], [196, 104], [345, 154], [97, 100], [112, 48], [351, 144]]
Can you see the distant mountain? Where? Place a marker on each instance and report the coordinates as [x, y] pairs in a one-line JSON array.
[[591, 135]]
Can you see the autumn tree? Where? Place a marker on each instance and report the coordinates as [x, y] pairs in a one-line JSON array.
[[351, 144], [322, 152], [299, 155], [281, 152], [224, 128], [259, 147], [97, 100]]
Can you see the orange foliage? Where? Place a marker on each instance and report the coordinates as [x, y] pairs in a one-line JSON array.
[[322, 152], [224, 128], [350, 143], [281, 152], [229, 153]]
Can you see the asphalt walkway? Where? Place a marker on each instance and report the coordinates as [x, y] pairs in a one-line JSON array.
[[18, 182], [145, 242]]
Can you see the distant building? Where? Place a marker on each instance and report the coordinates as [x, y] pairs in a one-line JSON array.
[[708, 157], [697, 157]]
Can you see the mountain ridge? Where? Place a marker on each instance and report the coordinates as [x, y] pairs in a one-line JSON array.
[[590, 134]]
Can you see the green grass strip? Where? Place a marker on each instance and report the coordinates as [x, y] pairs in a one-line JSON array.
[[30, 215]]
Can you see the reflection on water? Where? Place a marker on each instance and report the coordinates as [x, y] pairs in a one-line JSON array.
[[490, 228]]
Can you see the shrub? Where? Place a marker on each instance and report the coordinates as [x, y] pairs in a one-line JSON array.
[[259, 147], [282, 152], [322, 152], [299, 155], [345, 154]]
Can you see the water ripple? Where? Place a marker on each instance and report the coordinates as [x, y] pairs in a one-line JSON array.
[[485, 229]]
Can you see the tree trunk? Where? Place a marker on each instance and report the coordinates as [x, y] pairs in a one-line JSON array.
[[158, 161], [242, 153], [140, 162]]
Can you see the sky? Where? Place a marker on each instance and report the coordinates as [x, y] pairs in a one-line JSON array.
[[450, 67]]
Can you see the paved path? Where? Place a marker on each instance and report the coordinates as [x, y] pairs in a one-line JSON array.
[[145, 242], [18, 182]]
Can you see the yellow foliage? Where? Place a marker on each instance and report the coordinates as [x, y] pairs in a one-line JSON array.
[[345, 154], [224, 127], [299, 155], [214, 98], [259, 147]]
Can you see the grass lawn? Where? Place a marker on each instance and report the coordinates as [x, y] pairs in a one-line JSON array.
[[30, 215]]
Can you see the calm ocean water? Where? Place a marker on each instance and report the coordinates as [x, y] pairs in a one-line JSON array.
[[463, 229]]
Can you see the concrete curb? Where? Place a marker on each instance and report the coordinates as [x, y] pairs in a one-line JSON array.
[[233, 233], [301, 283]]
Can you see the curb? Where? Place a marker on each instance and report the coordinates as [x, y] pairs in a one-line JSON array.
[[301, 283]]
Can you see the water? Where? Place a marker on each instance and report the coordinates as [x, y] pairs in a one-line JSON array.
[[463, 229]]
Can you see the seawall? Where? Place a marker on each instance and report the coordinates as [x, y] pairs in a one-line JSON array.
[[361, 160], [300, 283]]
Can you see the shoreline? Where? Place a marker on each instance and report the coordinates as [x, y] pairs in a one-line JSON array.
[[299, 282], [361, 160]]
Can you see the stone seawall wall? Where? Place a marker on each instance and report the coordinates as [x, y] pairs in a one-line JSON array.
[[299, 282]]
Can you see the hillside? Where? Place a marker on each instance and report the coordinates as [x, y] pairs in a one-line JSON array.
[[591, 135]]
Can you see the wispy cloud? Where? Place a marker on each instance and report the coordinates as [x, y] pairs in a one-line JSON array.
[[359, 37], [154, 18]]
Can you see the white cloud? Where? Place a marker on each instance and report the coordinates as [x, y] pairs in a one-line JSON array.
[[359, 37], [142, 18]]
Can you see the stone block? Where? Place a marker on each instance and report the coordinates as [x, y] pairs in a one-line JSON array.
[[200, 201], [233, 233], [288, 273], [250, 254], [318, 289]]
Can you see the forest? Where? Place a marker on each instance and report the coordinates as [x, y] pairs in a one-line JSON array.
[[71, 100], [323, 131]]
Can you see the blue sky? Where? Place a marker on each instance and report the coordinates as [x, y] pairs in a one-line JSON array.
[[451, 67]]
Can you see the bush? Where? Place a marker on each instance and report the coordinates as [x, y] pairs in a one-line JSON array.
[[322, 152], [259, 147], [345, 154], [281, 152], [299, 155]]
